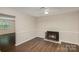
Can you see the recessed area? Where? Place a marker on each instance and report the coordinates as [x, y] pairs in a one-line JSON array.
[[52, 35]]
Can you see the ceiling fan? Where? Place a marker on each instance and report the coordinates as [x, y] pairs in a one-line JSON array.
[[46, 10]]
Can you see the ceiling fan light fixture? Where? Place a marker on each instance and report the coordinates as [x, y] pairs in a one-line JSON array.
[[46, 12]]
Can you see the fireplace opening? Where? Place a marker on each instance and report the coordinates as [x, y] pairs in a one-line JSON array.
[[52, 35]]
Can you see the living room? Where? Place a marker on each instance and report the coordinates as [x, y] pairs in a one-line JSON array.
[[33, 24]]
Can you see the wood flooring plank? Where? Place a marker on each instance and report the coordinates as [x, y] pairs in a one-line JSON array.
[[40, 45]]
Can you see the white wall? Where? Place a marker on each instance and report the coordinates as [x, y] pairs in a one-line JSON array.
[[25, 25], [67, 24]]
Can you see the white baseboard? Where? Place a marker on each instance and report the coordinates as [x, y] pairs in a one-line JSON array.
[[52, 41], [44, 39], [24, 41], [70, 42], [60, 41]]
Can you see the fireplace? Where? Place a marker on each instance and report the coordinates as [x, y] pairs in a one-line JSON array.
[[52, 35]]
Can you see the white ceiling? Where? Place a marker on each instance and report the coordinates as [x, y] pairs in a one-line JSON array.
[[37, 12]]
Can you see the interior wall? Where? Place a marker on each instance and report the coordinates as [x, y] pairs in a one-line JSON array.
[[25, 25], [67, 24], [28, 27]]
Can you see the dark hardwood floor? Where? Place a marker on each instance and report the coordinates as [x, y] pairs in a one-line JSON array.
[[40, 45]]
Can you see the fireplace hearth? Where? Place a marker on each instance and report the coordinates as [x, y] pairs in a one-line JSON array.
[[52, 35]]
